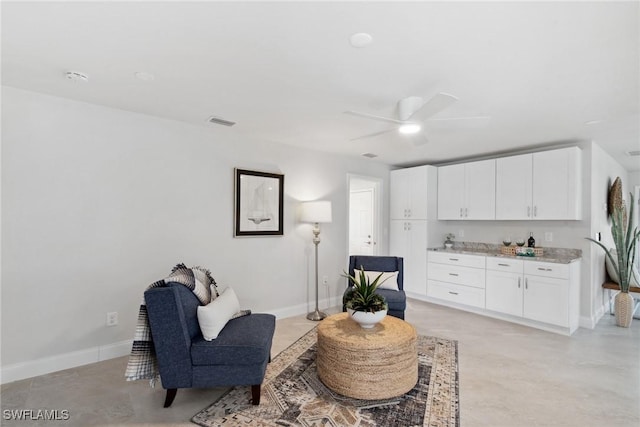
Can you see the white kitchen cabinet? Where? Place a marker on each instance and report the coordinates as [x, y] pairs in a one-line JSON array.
[[546, 300], [409, 241], [504, 285], [540, 291], [548, 288], [539, 186], [467, 191], [456, 278], [408, 197]]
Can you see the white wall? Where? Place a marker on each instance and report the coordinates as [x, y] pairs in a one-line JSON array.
[[98, 203], [634, 178]]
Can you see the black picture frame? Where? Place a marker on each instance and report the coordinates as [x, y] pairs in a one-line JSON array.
[[259, 203]]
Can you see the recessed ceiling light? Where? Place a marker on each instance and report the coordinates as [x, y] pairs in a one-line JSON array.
[[633, 153], [360, 39], [369, 155], [409, 128], [143, 75], [593, 122], [77, 76]]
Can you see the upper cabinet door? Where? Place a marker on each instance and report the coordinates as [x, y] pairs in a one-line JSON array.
[[557, 191], [451, 197], [400, 194], [514, 179], [418, 189], [409, 193], [480, 190]]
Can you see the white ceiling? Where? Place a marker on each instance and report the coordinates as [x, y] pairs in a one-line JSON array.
[[285, 72]]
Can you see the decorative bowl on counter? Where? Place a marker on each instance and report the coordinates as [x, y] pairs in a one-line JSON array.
[[520, 242], [506, 241]]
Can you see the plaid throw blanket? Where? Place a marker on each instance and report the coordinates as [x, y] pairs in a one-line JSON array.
[[142, 361]]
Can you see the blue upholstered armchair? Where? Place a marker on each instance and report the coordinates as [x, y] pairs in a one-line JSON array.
[[238, 357], [397, 300]]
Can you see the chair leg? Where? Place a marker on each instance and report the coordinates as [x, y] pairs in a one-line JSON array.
[[255, 394], [171, 394]]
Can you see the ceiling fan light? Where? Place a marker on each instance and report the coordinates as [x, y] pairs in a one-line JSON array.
[[409, 128]]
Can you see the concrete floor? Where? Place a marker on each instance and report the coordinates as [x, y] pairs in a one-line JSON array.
[[510, 376]]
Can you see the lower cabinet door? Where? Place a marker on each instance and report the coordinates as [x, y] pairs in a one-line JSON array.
[[546, 300], [504, 292]]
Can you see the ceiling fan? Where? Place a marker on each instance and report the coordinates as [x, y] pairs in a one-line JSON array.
[[413, 112]]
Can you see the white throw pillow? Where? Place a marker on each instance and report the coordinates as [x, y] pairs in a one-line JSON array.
[[215, 315], [389, 279], [635, 276]]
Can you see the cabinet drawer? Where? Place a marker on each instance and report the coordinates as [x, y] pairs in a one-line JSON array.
[[456, 293], [457, 259], [505, 264], [546, 269], [467, 276]]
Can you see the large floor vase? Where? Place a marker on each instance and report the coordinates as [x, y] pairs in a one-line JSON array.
[[367, 319], [624, 309]]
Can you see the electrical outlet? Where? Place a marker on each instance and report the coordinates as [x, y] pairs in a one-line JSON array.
[[112, 318], [460, 234], [325, 280], [548, 236]]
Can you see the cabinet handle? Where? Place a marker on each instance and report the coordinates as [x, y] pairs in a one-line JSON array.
[[466, 212], [528, 211], [453, 274], [504, 265], [460, 212], [453, 259], [519, 278], [408, 213], [545, 269], [453, 293], [535, 211], [526, 283]]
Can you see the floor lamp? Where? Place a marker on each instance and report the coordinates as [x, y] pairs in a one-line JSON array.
[[316, 212]]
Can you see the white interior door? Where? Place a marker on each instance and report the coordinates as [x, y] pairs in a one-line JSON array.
[[361, 219]]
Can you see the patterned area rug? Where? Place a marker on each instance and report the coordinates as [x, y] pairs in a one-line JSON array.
[[292, 395]]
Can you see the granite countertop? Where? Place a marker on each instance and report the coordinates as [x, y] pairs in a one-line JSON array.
[[557, 255]]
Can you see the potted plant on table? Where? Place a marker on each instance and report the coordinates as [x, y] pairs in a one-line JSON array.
[[622, 260], [363, 304]]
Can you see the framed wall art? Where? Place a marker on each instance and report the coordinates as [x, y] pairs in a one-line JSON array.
[[258, 203]]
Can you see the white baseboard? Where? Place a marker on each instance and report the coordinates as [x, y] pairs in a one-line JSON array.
[[300, 309], [46, 365]]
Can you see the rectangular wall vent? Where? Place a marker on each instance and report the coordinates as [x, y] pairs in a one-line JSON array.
[[219, 121]]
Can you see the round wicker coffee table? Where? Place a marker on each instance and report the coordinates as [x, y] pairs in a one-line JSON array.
[[377, 363]]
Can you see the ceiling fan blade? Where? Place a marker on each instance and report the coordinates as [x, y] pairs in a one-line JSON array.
[[479, 118], [419, 139], [433, 106], [374, 117], [370, 135]]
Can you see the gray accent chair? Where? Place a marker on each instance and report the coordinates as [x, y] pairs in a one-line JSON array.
[[397, 300], [238, 357]]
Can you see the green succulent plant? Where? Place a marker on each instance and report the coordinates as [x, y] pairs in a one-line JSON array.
[[362, 296], [625, 238]]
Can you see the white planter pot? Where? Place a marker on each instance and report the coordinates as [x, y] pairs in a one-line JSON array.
[[367, 320]]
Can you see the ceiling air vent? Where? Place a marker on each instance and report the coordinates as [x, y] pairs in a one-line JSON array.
[[219, 121], [633, 153], [369, 155]]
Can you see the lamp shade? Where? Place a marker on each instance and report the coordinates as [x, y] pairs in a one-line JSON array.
[[317, 211]]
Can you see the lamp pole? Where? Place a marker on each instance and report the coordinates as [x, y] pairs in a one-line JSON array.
[[317, 314]]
